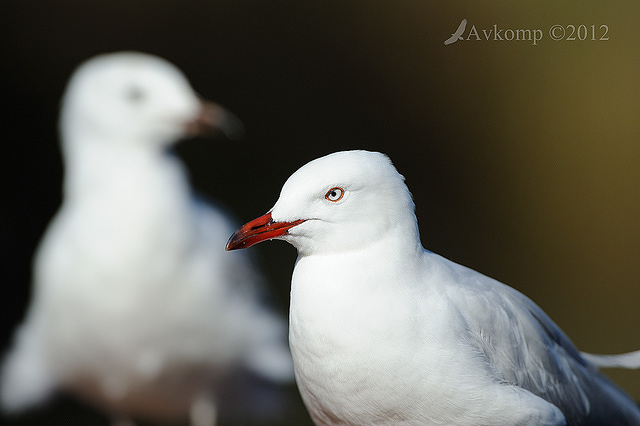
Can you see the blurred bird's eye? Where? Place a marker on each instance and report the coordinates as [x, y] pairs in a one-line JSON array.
[[135, 94], [334, 194]]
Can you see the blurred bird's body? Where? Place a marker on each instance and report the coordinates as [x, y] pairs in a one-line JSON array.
[[136, 307]]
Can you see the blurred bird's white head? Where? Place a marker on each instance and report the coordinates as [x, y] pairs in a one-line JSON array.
[[341, 202], [128, 97]]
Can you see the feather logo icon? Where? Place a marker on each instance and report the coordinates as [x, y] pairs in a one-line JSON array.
[[457, 35]]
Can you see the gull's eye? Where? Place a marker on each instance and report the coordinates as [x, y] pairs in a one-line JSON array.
[[334, 194], [135, 94]]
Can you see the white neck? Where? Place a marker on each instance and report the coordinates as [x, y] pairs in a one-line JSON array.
[[94, 164], [344, 320]]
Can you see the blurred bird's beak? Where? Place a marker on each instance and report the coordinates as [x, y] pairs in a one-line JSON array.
[[258, 230], [213, 118]]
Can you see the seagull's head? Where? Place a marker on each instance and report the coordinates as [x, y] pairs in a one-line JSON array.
[[132, 97], [341, 202]]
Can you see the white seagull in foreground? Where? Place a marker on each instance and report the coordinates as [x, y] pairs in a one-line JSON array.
[[383, 331], [136, 306]]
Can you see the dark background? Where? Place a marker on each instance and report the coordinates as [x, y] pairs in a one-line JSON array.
[[524, 161]]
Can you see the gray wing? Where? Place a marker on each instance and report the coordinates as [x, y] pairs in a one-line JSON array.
[[627, 360], [268, 353], [527, 349]]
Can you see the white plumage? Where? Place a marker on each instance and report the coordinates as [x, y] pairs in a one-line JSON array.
[[136, 306], [385, 332]]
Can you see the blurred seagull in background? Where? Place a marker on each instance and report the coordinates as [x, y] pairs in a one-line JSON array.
[[136, 307], [385, 332]]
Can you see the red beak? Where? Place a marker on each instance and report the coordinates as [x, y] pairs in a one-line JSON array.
[[213, 118], [258, 230]]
